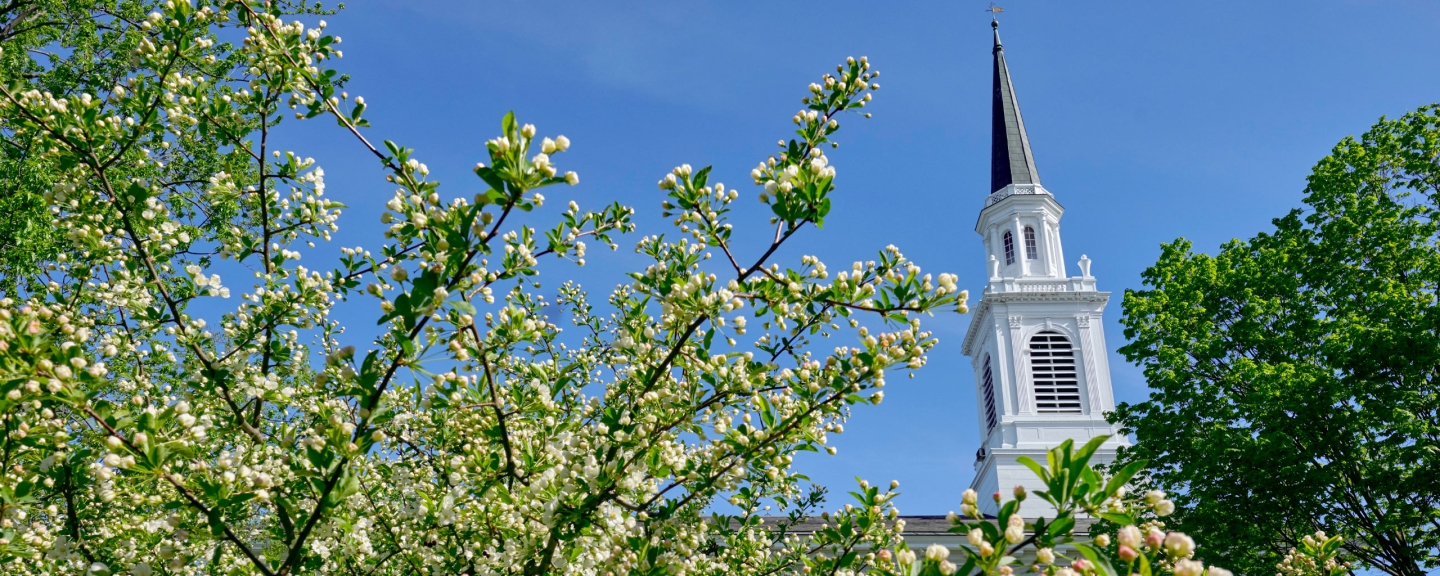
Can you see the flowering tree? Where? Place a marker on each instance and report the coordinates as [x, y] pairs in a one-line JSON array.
[[476, 434]]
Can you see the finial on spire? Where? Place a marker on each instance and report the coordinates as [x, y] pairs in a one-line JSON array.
[[993, 10], [1011, 161]]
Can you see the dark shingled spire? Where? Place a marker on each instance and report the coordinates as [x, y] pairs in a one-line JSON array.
[[1011, 161]]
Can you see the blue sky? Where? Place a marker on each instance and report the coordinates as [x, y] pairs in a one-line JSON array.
[[1149, 121]]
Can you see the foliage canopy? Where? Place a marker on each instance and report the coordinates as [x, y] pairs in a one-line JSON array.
[[1295, 374]]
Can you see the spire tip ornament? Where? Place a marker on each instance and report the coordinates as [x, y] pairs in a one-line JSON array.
[[993, 10]]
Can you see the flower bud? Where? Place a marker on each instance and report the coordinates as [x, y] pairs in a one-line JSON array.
[[1045, 556], [1154, 497], [1128, 554], [1189, 568], [976, 536], [1165, 508], [1129, 536], [936, 553], [969, 496], [1102, 540], [1019, 490], [1178, 545]]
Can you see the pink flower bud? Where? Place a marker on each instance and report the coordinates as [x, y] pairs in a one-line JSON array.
[[1128, 554]]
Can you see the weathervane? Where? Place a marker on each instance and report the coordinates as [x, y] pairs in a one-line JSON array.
[[993, 10]]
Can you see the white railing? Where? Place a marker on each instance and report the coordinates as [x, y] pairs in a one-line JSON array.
[[1012, 190]]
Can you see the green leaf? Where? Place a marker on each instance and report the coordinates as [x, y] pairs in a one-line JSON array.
[[508, 125], [1061, 526], [967, 566], [1118, 518], [1082, 456], [464, 306], [491, 177], [1101, 561], [1123, 476], [1034, 467]]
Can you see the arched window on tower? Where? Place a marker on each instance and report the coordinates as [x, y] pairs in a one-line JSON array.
[[1030, 252], [1052, 367], [1009, 248], [987, 388]]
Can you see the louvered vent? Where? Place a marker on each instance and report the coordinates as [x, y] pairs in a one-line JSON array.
[[1052, 363], [987, 387]]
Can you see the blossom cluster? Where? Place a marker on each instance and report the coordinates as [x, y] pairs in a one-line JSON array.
[[1003, 545], [1314, 555]]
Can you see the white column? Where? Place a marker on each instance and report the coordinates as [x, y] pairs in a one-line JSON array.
[[1048, 251], [1087, 351], [1059, 250], [997, 245], [1025, 401], [1019, 247], [1003, 398]]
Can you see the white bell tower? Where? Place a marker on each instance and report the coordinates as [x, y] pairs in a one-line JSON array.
[[1035, 340]]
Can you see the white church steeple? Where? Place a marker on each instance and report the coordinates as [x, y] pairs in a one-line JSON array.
[[1035, 340]]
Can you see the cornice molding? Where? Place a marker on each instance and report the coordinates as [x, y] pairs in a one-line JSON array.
[[982, 310]]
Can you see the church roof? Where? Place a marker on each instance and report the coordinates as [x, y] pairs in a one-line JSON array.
[[1011, 161], [914, 525]]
